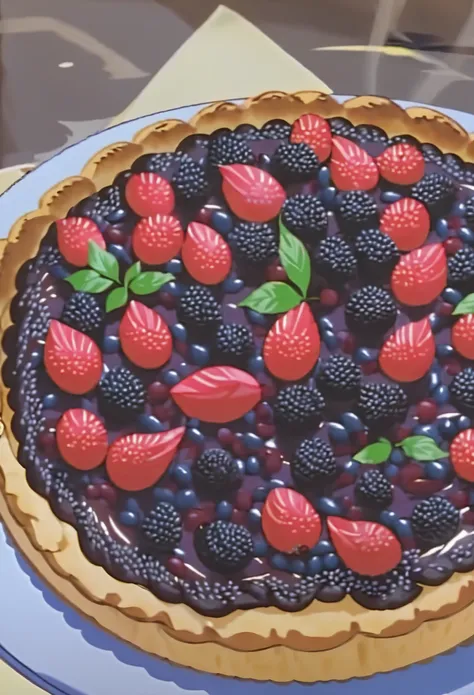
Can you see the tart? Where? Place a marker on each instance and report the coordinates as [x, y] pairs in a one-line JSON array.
[[238, 387]]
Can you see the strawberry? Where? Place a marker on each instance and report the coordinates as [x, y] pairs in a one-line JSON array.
[[217, 394], [144, 336], [157, 239], [251, 193], [72, 360], [407, 222], [206, 254], [461, 453], [74, 235], [351, 167], [409, 353], [138, 461], [315, 132], [81, 439], [365, 547], [290, 524], [462, 336], [420, 276], [149, 194], [402, 164], [291, 348]]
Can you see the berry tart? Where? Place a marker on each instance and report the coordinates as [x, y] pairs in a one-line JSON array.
[[238, 387]]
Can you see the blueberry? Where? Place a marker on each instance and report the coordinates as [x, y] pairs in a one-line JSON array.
[[256, 318], [59, 272], [251, 441], [466, 235], [174, 266], [174, 288], [36, 358], [240, 465], [436, 322], [471, 497], [390, 197], [260, 494], [162, 494], [133, 506], [275, 482], [363, 355], [50, 400], [441, 395], [128, 518], [330, 340], [186, 499], [451, 296], [325, 324], [195, 435], [255, 518], [297, 566], [252, 465], [182, 475], [428, 431], [256, 364], [224, 510], [459, 209], [351, 467], [264, 162], [150, 424], [436, 470], [330, 562], [171, 377], [233, 285], [388, 518], [464, 422], [328, 197], [397, 457], [279, 562], [184, 369], [434, 380], [442, 229], [199, 354], [391, 471], [402, 528], [120, 253], [448, 427], [351, 422], [444, 351], [222, 222], [338, 433], [322, 548], [179, 332], [315, 565], [194, 422], [260, 548], [325, 505], [324, 177]]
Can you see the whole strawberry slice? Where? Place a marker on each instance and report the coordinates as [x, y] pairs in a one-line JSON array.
[[351, 167], [251, 193], [408, 354], [291, 348], [407, 222], [461, 453], [149, 194], [217, 394], [402, 164], [206, 254], [315, 132], [420, 276], [144, 336], [138, 461], [157, 239], [365, 547], [81, 439], [290, 524], [462, 336], [74, 235], [72, 360]]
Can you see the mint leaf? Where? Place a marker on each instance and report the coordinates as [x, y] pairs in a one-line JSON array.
[[149, 282], [295, 259], [422, 448], [465, 306], [374, 453], [116, 298], [133, 272], [272, 298], [104, 262], [89, 281]]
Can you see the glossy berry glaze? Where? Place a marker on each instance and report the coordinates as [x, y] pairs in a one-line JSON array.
[[338, 418]]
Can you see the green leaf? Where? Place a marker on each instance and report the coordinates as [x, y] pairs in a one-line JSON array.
[[272, 298], [118, 297], [295, 259], [104, 262], [422, 448], [149, 282], [375, 453], [465, 306], [89, 281], [133, 272]]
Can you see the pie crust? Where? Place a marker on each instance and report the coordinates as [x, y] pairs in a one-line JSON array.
[[322, 642]]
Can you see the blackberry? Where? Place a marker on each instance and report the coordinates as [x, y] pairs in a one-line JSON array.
[[190, 180], [374, 490], [83, 312], [462, 389], [381, 405], [234, 341], [377, 253], [122, 394], [405, 138], [469, 214], [224, 546], [199, 307], [217, 470], [461, 269], [313, 462], [298, 405], [163, 526], [295, 161], [157, 163], [339, 377], [436, 191], [342, 127], [371, 309], [334, 259], [453, 166], [431, 153], [229, 148], [109, 204], [305, 216], [357, 210], [254, 242], [276, 130], [434, 521], [370, 133]]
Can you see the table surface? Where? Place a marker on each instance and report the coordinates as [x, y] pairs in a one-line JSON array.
[[88, 59]]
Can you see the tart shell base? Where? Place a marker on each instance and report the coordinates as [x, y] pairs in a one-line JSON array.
[[320, 643]]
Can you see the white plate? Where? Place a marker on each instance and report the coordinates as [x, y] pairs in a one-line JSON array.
[[62, 651]]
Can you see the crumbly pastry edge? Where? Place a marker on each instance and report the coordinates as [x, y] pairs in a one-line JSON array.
[[322, 642]]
